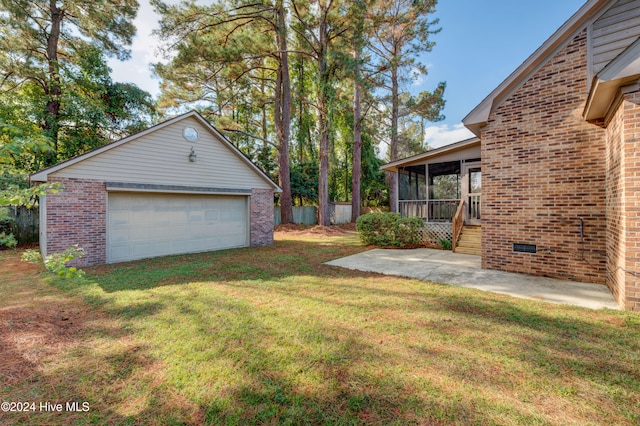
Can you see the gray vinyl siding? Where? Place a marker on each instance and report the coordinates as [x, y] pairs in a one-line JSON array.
[[613, 32], [161, 158]]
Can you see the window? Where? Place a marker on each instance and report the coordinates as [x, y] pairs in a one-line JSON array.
[[475, 181]]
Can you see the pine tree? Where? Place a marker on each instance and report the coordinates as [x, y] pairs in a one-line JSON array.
[[41, 41], [401, 31]]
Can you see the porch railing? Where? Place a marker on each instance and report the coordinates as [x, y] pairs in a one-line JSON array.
[[413, 208], [429, 210], [456, 225], [474, 206]]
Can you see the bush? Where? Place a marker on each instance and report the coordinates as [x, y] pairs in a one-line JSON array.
[[389, 229], [7, 240], [57, 262], [446, 244]]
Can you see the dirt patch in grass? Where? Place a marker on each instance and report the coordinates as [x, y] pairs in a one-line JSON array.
[[314, 230], [33, 325]]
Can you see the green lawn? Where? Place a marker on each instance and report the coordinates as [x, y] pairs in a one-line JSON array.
[[270, 335]]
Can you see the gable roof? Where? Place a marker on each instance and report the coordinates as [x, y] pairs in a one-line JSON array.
[[478, 117], [621, 71], [457, 146], [42, 175]]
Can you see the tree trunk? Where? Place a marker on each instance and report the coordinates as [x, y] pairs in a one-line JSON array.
[[393, 148], [357, 142], [323, 127], [283, 119], [53, 88]]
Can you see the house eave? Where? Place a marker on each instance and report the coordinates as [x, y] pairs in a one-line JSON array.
[[620, 73], [457, 146]]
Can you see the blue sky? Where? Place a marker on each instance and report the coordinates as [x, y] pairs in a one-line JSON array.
[[481, 43]]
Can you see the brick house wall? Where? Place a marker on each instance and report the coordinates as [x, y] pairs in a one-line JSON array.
[[615, 206], [631, 160], [78, 215], [543, 168], [261, 217]]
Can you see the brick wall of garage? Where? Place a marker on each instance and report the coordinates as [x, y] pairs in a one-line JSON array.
[[544, 170], [78, 215], [261, 217]]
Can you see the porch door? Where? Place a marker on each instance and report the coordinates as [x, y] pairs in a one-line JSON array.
[[471, 192]]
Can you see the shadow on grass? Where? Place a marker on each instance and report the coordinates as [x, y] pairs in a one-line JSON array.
[[270, 335], [253, 263]]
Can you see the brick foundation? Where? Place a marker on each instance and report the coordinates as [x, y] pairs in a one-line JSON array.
[[543, 170], [78, 215], [262, 220]]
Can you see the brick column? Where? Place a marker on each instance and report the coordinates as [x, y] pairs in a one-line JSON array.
[[262, 220], [631, 164], [78, 215]]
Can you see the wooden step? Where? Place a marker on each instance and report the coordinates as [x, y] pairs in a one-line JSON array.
[[470, 246], [465, 250], [472, 230], [470, 241]]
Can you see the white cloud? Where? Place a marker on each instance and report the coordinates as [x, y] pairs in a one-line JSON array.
[[445, 134], [143, 53]]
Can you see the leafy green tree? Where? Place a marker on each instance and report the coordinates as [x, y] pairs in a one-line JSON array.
[[40, 41], [304, 182], [322, 25]]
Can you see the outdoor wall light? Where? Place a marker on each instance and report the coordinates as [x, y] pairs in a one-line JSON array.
[[192, 156]]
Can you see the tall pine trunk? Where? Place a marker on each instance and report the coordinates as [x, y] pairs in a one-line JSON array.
[[323, 126], [393, 148], [53, 88], [283, 116], [357, 141]]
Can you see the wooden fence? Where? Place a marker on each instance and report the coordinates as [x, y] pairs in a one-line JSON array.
[[307, 215], [24, 225], [340, 213]]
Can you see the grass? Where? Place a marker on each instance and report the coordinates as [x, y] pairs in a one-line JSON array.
[[271, 335]]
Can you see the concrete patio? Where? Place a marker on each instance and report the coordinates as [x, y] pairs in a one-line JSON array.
[[464, 270]]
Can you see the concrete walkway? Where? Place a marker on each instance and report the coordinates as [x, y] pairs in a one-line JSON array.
[[464, 270]]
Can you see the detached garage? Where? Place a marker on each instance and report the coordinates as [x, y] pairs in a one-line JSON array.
[[178, 187]]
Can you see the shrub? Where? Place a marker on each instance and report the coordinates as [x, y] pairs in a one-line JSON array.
[[7, 240], [446, 244], [57, 262], [31, 256], [389, 229]]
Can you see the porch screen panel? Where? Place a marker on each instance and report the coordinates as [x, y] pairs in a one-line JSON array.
[[444, 181], [412, 183]]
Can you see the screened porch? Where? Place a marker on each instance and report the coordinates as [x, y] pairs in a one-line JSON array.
[[434, 191]]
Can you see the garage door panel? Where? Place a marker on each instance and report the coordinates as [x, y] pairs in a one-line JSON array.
[[148, 225]]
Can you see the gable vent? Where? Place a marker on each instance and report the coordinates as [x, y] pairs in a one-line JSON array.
[[525, 248]]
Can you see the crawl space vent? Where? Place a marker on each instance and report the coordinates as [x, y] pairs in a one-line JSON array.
[[525, 248]]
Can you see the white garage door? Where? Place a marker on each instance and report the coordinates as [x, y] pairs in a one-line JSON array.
[[149, 225]]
